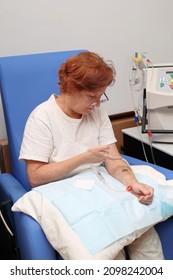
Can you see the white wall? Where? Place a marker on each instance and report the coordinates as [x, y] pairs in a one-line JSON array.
[[113, 28]]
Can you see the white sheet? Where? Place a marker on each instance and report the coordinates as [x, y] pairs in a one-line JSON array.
[[60, 234]]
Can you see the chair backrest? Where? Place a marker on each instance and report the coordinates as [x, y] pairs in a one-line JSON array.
[[25, 82]]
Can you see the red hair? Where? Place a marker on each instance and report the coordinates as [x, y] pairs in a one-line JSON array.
[[85, 71]]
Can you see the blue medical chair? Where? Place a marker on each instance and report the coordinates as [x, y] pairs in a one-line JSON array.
[[25, 82]]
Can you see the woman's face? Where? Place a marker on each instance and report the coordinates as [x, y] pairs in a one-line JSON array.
[[83, 102]]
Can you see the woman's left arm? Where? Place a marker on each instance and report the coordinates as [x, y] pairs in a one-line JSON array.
[[120, 170]]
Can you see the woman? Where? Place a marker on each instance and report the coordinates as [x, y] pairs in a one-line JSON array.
[[71, 132]]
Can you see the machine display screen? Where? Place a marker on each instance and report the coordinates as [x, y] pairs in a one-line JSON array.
[[165, 81], [169, 72]]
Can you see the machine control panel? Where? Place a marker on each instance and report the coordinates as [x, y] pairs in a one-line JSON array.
[[165, 81]]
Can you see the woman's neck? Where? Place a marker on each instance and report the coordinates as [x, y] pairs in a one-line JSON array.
[[63, 104]]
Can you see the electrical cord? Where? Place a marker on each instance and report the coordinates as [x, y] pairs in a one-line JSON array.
[[3, 219]]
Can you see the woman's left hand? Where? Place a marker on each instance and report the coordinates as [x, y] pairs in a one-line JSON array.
[[143, 192]]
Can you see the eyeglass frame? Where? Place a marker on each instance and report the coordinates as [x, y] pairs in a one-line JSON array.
[[100, 101]]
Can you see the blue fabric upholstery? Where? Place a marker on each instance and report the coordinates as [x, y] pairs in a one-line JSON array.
[[133, 161], [25, 82]]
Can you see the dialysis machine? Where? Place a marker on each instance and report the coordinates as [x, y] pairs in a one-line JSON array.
[[158, 103], [156, 85]]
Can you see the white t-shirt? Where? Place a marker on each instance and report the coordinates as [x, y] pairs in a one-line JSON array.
[[52, 136]]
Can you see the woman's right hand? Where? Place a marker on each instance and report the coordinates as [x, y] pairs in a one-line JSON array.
[[99, 154]]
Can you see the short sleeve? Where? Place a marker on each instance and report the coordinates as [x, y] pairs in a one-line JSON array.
[[37, 140], [106, 134]]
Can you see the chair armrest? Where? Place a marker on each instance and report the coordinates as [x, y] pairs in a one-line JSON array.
[[133, 161], [30, 238], [10, 187]]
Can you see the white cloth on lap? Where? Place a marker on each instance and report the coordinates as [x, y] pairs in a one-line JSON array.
[[116, 214]]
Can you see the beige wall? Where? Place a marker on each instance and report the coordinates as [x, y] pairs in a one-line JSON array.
[[114, 28]]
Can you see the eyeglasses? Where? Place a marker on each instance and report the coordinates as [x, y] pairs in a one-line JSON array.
[[103, 98]]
